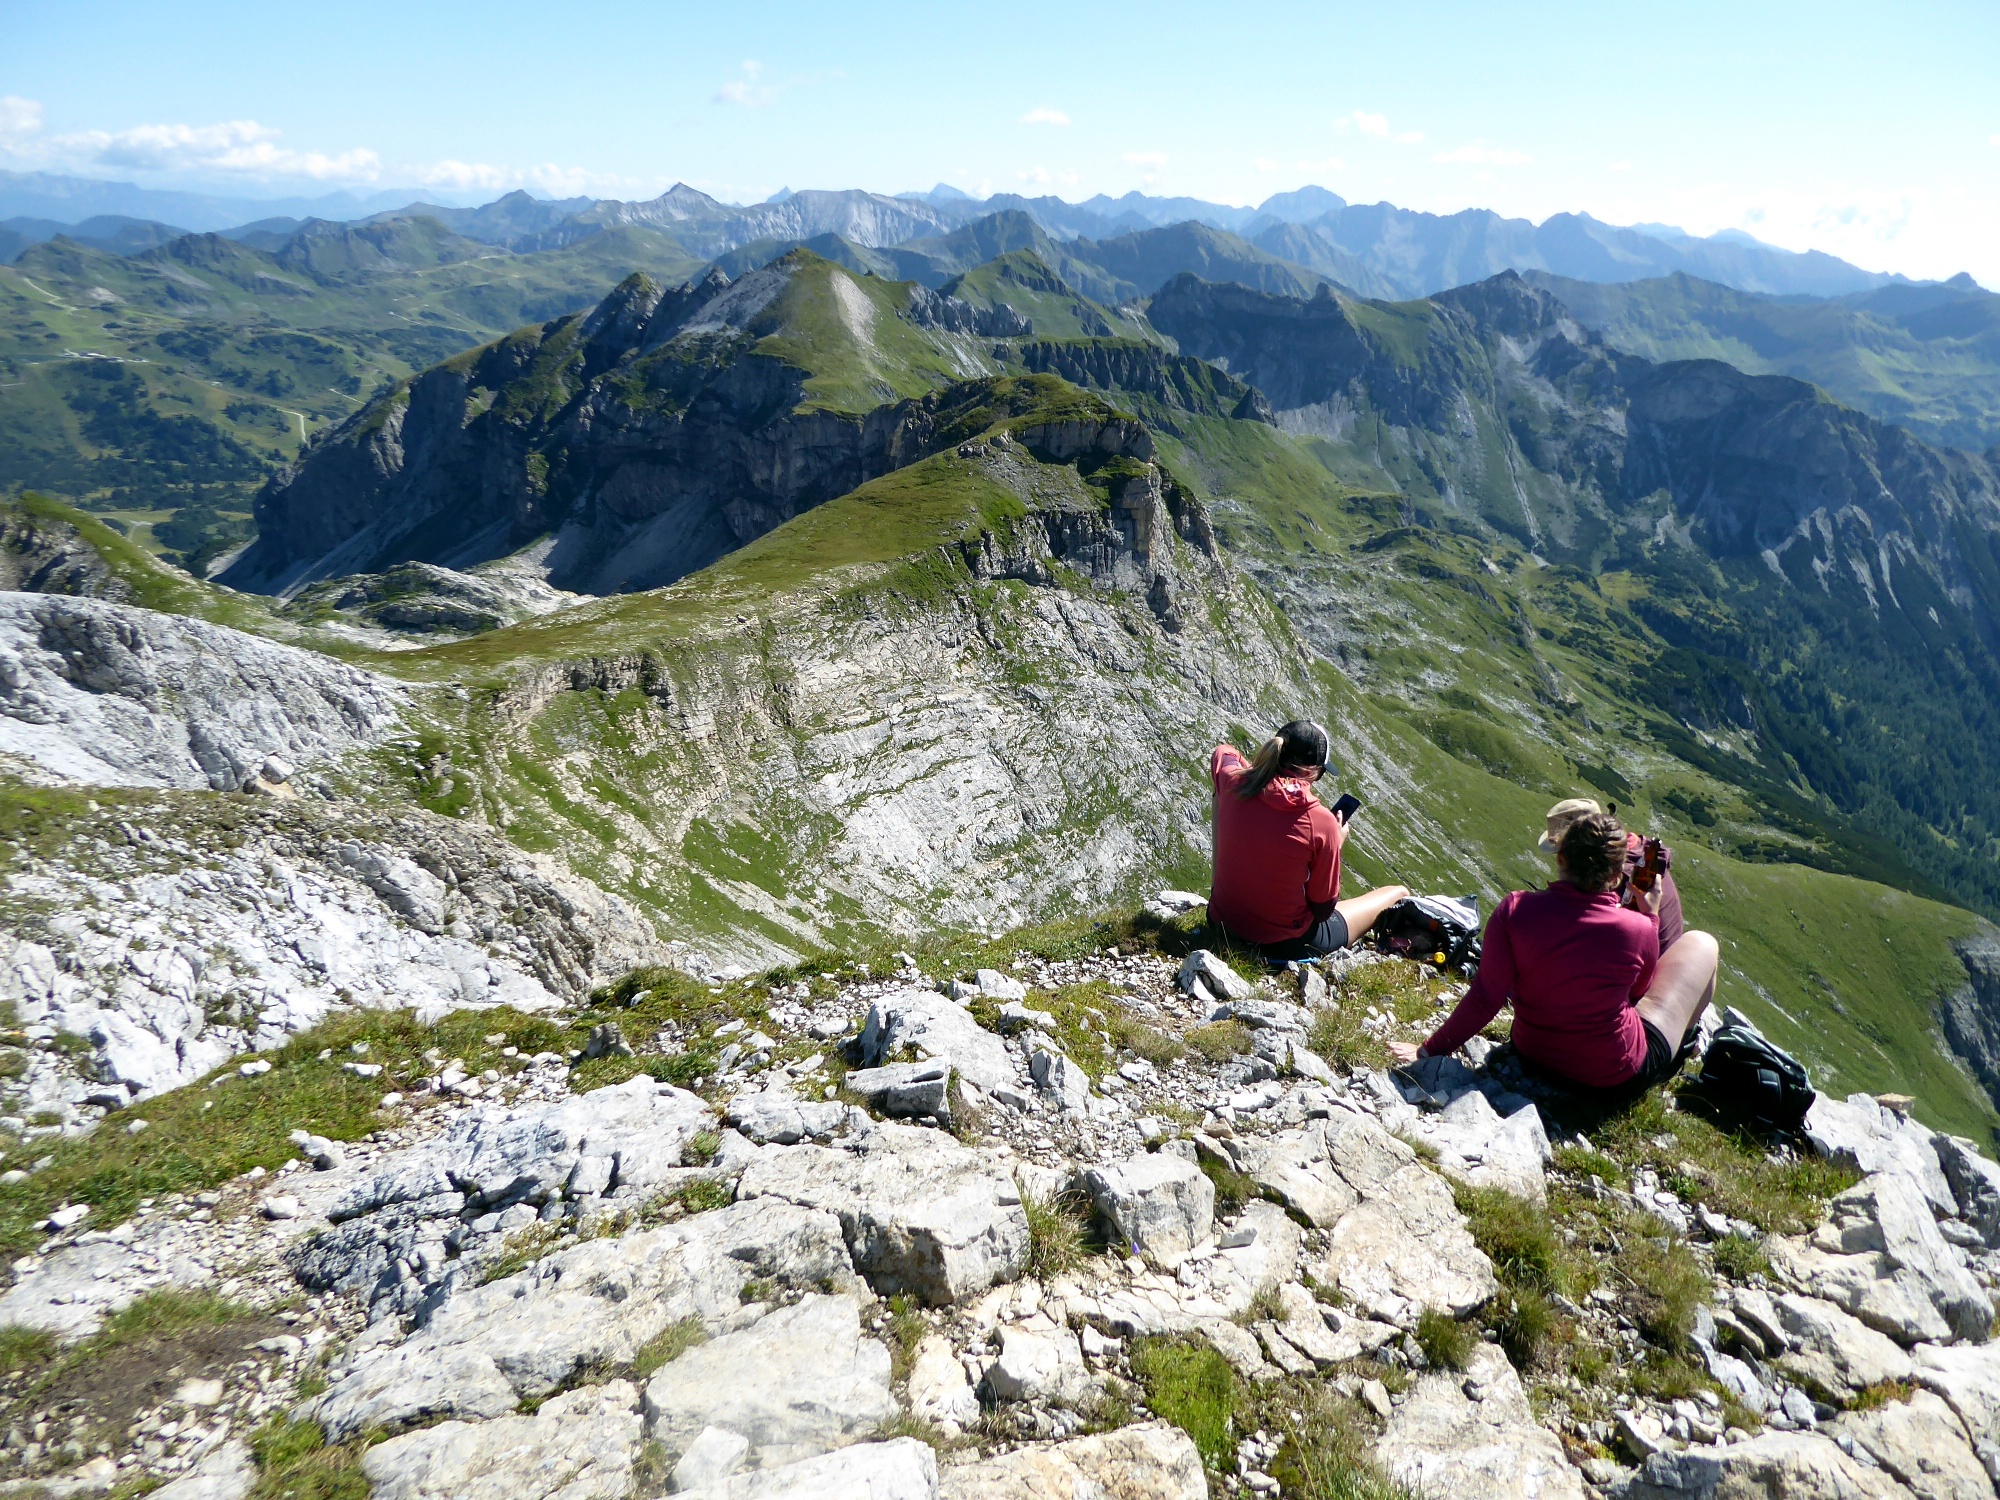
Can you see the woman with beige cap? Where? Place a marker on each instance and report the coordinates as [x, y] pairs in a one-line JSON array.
[[1566, 812], [1595, 1001]]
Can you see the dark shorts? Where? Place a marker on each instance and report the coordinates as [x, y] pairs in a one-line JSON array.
[[1328, 936], [1661, 1063]]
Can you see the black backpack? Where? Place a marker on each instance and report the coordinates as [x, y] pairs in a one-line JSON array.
[[1745, 1080], [1440, 930]]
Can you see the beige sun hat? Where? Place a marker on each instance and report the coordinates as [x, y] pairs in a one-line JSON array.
[[1561, 816]]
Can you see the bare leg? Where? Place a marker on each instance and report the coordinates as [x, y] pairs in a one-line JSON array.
[[1682, 986], [1361, 911]]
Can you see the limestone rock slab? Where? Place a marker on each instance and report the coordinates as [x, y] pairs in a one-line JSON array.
[[1795, 1465], [1158, 1204], [1872, 1139], [936, 1028], [1836, 1349], [1923, 1444], [904, 1469], [799, 1381], [579, 1446], [1149, 1461], [478, 1353], [922, 1214], [1442, 1443]]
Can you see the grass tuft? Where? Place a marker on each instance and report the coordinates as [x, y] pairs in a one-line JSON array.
[[295, 1462], [667, 1346], [1446, 1342], [1058, 1234]]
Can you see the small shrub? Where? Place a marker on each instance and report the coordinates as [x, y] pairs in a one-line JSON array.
[[1881, 1394], [1516, 1235], [1670, 1286], [754, 1290], [1219, 1041], [1141, 1040], [1325, 1442], [703, 1195], [294, 1462], [1527, 1325], [1446, 1342], [1585, 1162], [907, 1327], [1058, 1234], [1192, 1386], [1739, 1257], [700, 1149], [1232, 1188], [1341, 1041], [520, 1250]]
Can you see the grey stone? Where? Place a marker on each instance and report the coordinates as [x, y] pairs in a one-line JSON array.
[[226, 1472], [1267, 1015], [477, 1353], [904, 1090], [939, 1390], [922, 1214], [1834, 1349], [1147, 1461], [904, 1469], [1872, 1139], [1923, 1444], [1291, 1166], [1967, 1376], [997, 986], [1441, 1443], [1212, 973], [1059, 1080], [1041, 1365], [1478, 1147], [797, 1382], [1975, 1184], [1015, 1017], [1734, 1376], [1405, 1246], [578, 1446], [1794, 1465], [935, 1029], [713, 1456], [1159, 1205], [776, 1116], [1885, 1216]]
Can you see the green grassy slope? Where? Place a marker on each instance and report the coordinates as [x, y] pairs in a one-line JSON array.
[[1933, 367], [177, 380]]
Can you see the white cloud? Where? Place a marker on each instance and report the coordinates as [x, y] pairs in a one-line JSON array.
[[235, 147], [1324, 164], [1146, 158], [1265, 164], [1043, 116], [19, 119], [1410, 137], [1376, 127], [1483, 156], [747, 91], [1367, 124]]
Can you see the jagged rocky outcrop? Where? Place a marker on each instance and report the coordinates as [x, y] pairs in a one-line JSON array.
[[1176, 381], [121, 696], [650, 436], [43, 555], [1494, 398]]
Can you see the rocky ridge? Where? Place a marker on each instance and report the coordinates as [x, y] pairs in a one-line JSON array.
[[710, 1290]]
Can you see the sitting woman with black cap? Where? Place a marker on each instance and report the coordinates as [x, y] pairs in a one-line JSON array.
[[1277, 851]]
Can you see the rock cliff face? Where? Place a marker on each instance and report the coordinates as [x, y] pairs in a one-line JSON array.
[[1495, 399]]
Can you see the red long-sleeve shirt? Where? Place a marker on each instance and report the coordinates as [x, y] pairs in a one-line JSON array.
[[1572, 963], [1277, 855]]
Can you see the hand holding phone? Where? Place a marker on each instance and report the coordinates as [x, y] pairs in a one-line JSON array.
[[1347, 807]]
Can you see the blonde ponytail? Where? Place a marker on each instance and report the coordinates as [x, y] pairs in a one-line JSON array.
[[1298, 746]]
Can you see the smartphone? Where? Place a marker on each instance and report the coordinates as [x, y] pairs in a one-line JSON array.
[[1347, 807]]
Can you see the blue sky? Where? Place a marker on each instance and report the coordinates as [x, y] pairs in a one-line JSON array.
[[1866, 130]]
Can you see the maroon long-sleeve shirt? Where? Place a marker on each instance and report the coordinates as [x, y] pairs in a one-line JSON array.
[[1573, 964]]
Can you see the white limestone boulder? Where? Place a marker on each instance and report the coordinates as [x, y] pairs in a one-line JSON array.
[[1922, 1443], [479, 1353], [934, 1028], [1148, 1461], [1873, 1139], [578, 1446], [1158, 1204], [922, 1214], [799, 1381], [1443, 1443], [1795, 1465], [904, 1469]]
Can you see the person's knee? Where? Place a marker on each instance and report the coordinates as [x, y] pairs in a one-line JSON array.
[[1701, 944]]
